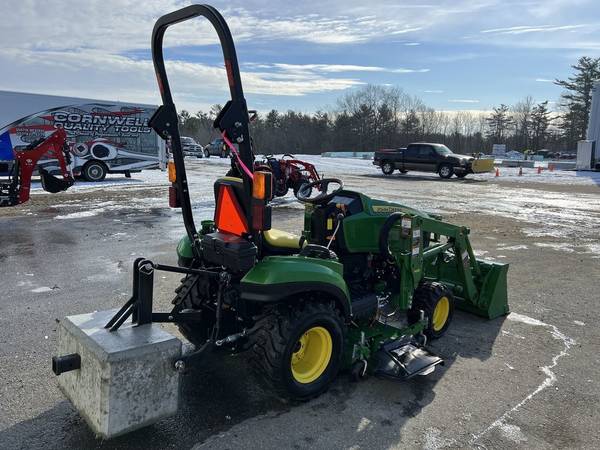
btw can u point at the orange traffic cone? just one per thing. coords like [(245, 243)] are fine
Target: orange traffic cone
[(539, 169), (497, 172), (520, 171)]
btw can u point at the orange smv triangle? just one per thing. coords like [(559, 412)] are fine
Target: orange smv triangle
[(229, 216)]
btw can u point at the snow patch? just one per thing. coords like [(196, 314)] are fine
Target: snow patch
[(550, 379), (513, 247), (435, 441), (42, 289), (558, 246), (81, 214), (513, 433)]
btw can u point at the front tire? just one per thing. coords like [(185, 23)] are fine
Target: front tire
[(445, 171), (298, 351), (206, 154), (437, 302), (387, 168), (94, 171)]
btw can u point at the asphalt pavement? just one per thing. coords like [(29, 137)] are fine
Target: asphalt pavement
[(528, 380)]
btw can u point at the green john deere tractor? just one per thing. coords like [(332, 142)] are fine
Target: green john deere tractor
[(364, 286)]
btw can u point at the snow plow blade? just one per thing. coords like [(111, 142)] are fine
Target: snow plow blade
[(482, 165)]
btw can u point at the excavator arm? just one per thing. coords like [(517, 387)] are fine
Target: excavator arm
[(17, 189)]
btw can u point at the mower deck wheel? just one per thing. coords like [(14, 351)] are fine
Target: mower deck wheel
[(437, 302), (298, 350)]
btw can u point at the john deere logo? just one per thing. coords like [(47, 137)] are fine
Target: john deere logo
[(386, 209)]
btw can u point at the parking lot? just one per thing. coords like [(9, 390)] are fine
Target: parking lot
[(527, 380)]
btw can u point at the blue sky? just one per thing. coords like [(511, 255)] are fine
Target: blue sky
[(303, 55)]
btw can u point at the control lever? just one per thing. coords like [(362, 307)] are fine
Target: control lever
[(339, 218)]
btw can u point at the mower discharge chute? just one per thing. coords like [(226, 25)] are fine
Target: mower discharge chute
[(364, 286), (16, 190)]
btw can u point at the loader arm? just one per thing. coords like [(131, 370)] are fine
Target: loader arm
[(480, 285)]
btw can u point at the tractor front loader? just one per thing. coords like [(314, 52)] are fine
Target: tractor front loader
[(364, 286)]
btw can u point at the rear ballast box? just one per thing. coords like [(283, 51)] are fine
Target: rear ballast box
[(126, 378)]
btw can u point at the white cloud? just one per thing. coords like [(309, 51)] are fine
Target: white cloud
[(544, 80), (463, 100), (412, 44), (117, 77), (331, 68), (533, 29), (433, 91)]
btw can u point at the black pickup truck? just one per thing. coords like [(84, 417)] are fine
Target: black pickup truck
[(428, 157)]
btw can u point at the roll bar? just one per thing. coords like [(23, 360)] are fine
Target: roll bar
[(232, 121)]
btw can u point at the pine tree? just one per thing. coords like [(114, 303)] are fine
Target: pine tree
[(577, 99), (539, 123), (499, 122)]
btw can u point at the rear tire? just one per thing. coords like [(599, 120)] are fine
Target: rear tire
[(94, 171), (298, 350), (437, 302), (387, 168), (445, 171)]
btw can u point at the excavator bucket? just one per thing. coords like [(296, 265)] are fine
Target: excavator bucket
[(52, 184)]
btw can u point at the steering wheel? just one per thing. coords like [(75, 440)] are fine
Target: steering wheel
[(305, 191)]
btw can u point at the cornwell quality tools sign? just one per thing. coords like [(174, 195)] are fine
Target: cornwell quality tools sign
[(118, 122)]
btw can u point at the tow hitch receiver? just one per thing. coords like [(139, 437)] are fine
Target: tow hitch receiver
[(403, 359)]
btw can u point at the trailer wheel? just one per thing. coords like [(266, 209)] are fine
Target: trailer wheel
[(437, 302), (298, 351), (94, 171), (387, 168), (446, 171)]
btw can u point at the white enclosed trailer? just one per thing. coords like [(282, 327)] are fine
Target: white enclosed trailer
[(588, 151), (103, 136)]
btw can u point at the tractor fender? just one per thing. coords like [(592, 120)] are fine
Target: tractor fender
[(277, 278)]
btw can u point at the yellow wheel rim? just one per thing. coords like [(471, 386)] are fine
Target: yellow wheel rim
[(311, 355), (440, 314)]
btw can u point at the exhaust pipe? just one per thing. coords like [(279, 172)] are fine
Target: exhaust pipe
[(62, 364)]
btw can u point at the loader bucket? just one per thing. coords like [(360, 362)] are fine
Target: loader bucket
[(482, 165), (492, 301), (489, 298)]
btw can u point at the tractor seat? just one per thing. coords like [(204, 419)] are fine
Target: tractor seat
[(281, 239), (279, 242)]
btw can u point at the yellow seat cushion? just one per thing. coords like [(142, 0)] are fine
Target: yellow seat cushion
[(281, 239)]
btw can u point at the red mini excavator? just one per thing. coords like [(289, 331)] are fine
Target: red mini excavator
[(16, 190)]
